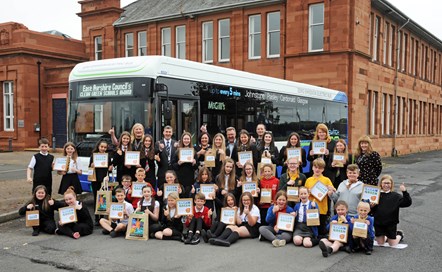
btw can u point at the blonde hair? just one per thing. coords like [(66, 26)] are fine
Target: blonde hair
[(70, 190), (324, 128), (223, 146), (364, 139), (390, 178), (363, 204), (132, 134), (342, 141), (319, 162), (74, 155)]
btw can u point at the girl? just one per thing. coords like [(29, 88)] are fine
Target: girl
[(271, 232), (100, 173), (204, 145), (217, 226), (245, 145), (268, 181), (226, 182), (118, 160), (84, 225), (42, 202), (248, 220), (171, 178), (136, 137), (148, 158), (386, 213), (70, 177), (304, 235), (151, 207), (293, 141), (292, 177), (369, 161), (268, 149), (185, 170), (218, 148), (322, 134), (248, 175), (204, 177), (173, 226), (339, 168), (260, 130)]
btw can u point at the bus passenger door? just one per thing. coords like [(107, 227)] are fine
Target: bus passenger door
[(184, 118)]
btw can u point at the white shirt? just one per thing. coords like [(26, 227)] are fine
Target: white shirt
[(148, 202), (33, 161), (254, 212)]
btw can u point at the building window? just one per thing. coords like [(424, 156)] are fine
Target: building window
[(385, 42), (208, 42), (98, 118), (8, 106), (98, 48), (375, 28), (399, 44), (255, 37), (372, 112), (224, 40), (142, 43), (180, 42), (410, 116), (390, 46), (316, 28), (129, 42), (165, 42), (404, 52), (273, 34)]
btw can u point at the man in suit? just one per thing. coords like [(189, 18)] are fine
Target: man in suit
[(165, 148), (231, 145)]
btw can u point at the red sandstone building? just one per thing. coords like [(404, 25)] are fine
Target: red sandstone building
[(388, 65)]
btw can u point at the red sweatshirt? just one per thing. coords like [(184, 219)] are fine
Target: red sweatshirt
[(271, 183), (204, 215)]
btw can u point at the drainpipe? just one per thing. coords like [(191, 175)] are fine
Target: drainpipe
[(39, 98)]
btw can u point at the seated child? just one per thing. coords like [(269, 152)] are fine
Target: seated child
[(173, 226), (116, 227), (151, 207), (360, 243), (201, 219), (217, 226), (304, 235)]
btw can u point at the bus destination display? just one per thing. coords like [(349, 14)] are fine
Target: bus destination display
[(111, 89)]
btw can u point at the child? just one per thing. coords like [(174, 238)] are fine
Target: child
[(267, 149), (293, 141), (226, 182), (70, 177), (327, 247), (84, 225), (127, 187), (218, 148), (100, 173), (118, 159), (185, 170), (140, 175), (350, 190), (268, 181), (115, 227), (318, 168), (173, 226), (204, 177), (151, 207), (339, 168), (42, 202), (198, 221), (217, 226), (386, 213), (171, 178), (148, 159), (246, 145), (364, 243), (41, 163), (304, 235), (249, 175), (271, 232), (292, 177)]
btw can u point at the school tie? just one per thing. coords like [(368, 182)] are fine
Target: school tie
[(304, 217), (168, 151)]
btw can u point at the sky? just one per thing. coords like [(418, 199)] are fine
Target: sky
[(44, 15)]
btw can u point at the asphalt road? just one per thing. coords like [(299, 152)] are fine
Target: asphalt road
[(421, 173)]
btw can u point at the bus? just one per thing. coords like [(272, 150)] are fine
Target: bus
[(157, 91)]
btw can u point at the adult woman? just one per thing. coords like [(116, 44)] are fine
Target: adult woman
[(293, 141), (368, 160), (322, 134), (136, 136), (202, 148), (267, 149), (338, 165)]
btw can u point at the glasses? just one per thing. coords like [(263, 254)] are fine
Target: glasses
[(293, 163)]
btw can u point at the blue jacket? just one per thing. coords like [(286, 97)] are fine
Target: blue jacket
[(297, 208), (271, 217), (370, 229), (350, 227)]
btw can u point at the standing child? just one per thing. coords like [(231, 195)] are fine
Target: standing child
[(360, 243), (70, 177), (267, 148), (184, 169), (148, 159), (140, 175), (249, 175), (386, 213), (268, 181), (218, 148), (350, 190), (171, 178), (327, 247), (204, 177), (226, 182), (151, 207), (84, 225), (198, 221), (116, 227), (118, 160), (173, 226), (304, 235), (41, 163)]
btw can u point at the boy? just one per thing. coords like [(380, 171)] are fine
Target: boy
[(359, 242), (140, 174), (327, 247), (126, 185), (41, 163), (115, 227), (201, 219), (318, 168)]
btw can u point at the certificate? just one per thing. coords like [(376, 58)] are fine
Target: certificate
[(116, 211), (67, 215), (250, 187), (61, 164), (360, 228), (371, 193), (292, 193), (228, 216), (32, 218), (319, 147), (285, 221), (266, 195), (319, 190), (137, 189), (294, 153), (91, 174), (132, 158), (209, 159), (184, 206), (100, 160), (245, 156), (338, 232), (169, 188), (207, 189), (339, 159), (312, 217), (186, 154)]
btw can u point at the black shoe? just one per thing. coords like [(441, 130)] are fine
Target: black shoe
[(195, 239), (36, 232), (97, 223), (105, 232), (220, 242), (401, 234), (212, 241), (347, 249), (325, 249), (261, 238), (114, 234), (367, 252), (205, 235), (188, 238)]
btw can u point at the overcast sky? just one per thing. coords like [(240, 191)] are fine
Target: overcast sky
[(43, 15)]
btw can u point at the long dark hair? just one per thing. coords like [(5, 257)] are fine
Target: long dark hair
[(241, 206), (151, 150), (97, 145), (45, 201)]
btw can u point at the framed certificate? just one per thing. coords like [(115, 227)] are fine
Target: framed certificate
[(372, 193), (207, 189), (228, 216), (266, 195), (61, 164), (338, 232), (294, 153), (186, 154), (104, 199), (169, 188), (32, 218), (339, 159), (319, 147), (313, 217), (245, 156), (100, 160), (360, 228), (209, 159), (116, 211), (184, 206), (292, 193), (137, 189), (138, 227), (67, 215), (319, 190), (250, 187), (285, 221), (132, 158)]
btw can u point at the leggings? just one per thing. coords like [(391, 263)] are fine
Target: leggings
[(269, 233)]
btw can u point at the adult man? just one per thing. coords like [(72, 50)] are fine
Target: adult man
[(231, 145), (166, 148)]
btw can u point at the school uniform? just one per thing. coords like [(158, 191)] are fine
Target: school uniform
[(273, 184), (42, 165), (175, 224), (149, 167), (151, 206), (283, 158), (70, 179), (327, 170), (268, 232), (253, 230), (47, 222), (301, 228), (350, 193), (255, 156), (200, 220), (209, 203), (100, 174), (274, 153), (322, 205), (118, 162), (367, 242), (340, 173), (84, 224), (350, 227), (185, 172)]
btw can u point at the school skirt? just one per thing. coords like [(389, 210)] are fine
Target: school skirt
[(254, 231), (301, 229), (69, 180)]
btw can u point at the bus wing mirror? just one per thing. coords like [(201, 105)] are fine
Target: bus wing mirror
[(167, 110)]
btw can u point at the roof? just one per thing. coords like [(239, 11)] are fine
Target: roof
[(57, 33), (143, 11)]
